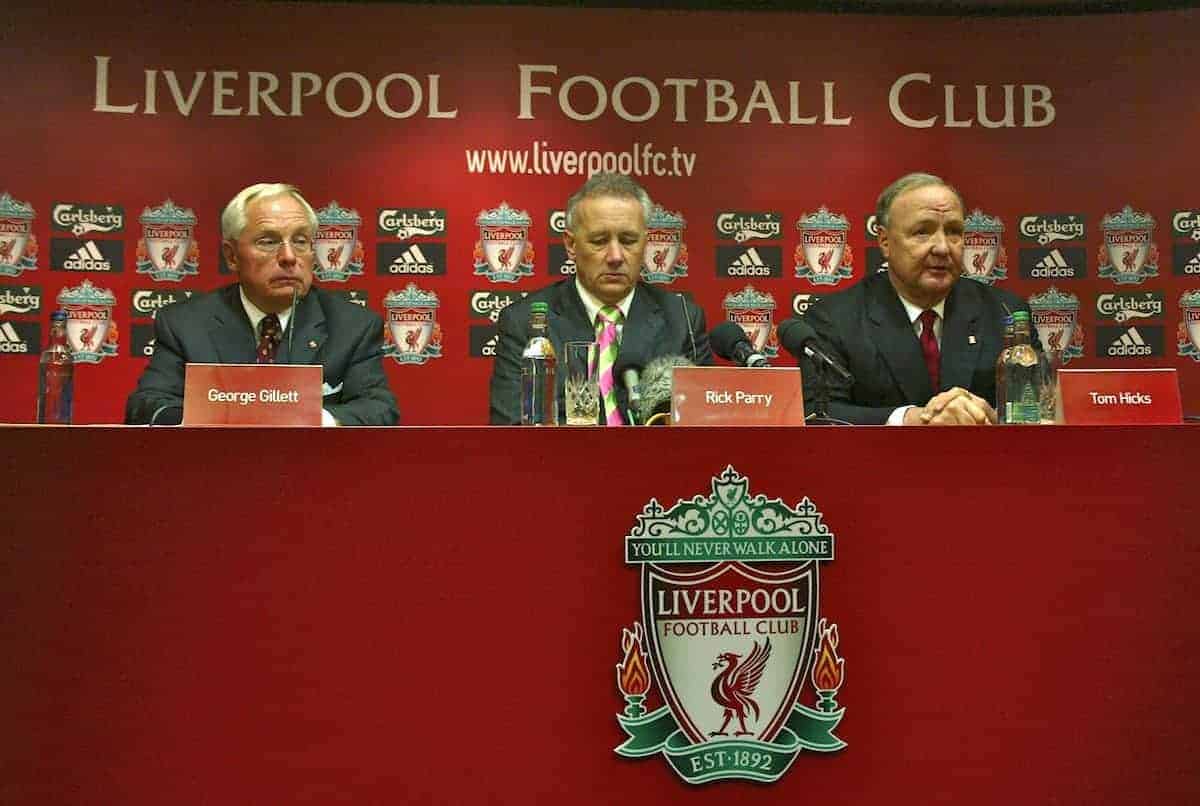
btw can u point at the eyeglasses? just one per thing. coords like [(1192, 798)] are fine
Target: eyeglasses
[(270, 245)]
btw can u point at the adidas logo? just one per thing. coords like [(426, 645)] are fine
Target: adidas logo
[(1129, 343), (10, 341), (749, 264), (1193, 265), (1052, 265), (411, 261), (87, 258)]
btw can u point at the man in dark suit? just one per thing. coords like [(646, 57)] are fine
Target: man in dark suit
[(606, 237), (268, 232), (921, 345)]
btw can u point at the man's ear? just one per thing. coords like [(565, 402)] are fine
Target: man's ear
[(884, 244), (230, 256), (569, 243)]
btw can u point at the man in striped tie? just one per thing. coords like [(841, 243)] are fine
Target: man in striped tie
[(605, 302)]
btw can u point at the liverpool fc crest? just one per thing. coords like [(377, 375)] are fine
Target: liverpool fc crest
[(823, 255), (503, 252), (1128, 254), (168, 248), (731, 635), (412, 334), (753, 310), (18, 245), (984, 258), (1189, 324), (91, 331), (666, 256), (1056, 317), (338, 252)]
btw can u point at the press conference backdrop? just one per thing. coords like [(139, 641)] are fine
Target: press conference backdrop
[(440, 144)]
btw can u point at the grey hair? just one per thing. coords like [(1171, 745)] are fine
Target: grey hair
[(233, 218), (904, 184), (609, 184)]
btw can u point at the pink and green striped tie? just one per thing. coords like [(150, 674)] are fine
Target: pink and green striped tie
[(607, 320)]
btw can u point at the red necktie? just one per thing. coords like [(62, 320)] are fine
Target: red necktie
[(269, 339), (930, 349)]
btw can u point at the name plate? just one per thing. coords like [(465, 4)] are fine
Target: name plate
[(1119, 397), (252, 394), (736, 396)]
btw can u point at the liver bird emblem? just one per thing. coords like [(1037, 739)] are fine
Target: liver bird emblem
[(733, 687), (168, 255)]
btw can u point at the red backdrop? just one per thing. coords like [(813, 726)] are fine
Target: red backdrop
[(1122, 134)]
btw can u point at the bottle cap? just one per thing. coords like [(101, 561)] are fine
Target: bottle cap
[(58, 316), (1020, 316), (539, 307)]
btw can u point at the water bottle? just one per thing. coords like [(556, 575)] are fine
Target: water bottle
[(539, 403), (1001, 380), (1022, 377), (56, 375)]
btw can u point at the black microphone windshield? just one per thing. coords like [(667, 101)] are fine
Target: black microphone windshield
[(725, 338), (794, 334)]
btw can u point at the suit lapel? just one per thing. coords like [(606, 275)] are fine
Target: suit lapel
[(568, 320), (309, 332), (644, 326), (230, 330), (960, 341), (893, 333)]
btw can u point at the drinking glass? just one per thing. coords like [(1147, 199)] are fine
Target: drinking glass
[(581, 388)]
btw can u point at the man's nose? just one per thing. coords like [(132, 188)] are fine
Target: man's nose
[(286, 256), (613, 253), (940, 242)]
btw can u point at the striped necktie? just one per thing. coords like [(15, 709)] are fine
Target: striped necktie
[(606, 348)]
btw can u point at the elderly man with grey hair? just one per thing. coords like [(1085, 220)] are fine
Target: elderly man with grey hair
[(268, 231), (605, 301), (921, 345)]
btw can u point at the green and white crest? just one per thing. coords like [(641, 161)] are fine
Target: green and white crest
[(729, 632), (984, 258)]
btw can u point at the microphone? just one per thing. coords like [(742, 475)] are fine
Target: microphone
[(687, 317), (729, 341), (628, 367), (292, 320), (798, 337), (656, 385)]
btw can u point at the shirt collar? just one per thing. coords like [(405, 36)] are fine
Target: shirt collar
[(256, 316), (593, 305), (914, 311)]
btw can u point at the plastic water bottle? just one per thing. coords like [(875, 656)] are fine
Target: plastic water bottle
[(1023, 377), (56, 375), (1001, 380), (539, 403)]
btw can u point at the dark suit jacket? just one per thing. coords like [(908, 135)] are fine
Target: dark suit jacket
[(659, 323), (213, 328), (868, 330)]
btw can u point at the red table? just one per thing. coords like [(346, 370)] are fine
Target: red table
[(433, 615)]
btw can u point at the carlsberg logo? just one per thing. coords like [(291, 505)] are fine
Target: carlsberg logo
[(1187, 224), (26, 300), (1118, 306), (81, 218), (150, 301), (1044, 229), (490, 303), (409, 221), (741, 226)]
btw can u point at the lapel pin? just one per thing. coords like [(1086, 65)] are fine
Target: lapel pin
[(312, 345), (971, 339)]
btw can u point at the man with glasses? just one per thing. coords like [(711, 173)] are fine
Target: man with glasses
[(268, 232)]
